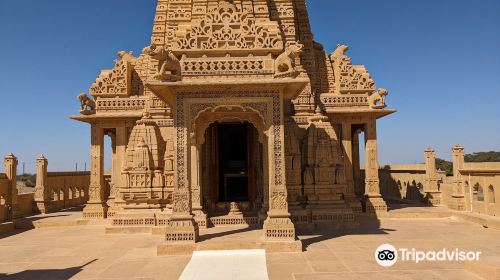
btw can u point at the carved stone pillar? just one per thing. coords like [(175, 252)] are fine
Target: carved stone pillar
[(181, 228), (457, 201), (358, 185), (347, 145), (43, 200), (374, 202), (199, 216), (265, 183), (431, 188), (278, 226), (96, 207), (119, 143), (115, 175), (10, 169)]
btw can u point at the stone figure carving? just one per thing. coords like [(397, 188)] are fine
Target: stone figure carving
[(377, 100), (339, 51), (285, 62), (126, 56), (142, 158), (169, 66), (349, 78), (87, 105)]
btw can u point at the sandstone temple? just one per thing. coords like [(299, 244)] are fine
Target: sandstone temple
[(238, 146), (233, 115)]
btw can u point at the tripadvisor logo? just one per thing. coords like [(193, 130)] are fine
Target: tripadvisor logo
[(387, 255)]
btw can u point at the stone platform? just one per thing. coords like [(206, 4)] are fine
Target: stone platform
[(230, 238), (61, 247)]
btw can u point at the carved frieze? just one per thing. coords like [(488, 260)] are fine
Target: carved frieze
[(227, 27), (117, 81)]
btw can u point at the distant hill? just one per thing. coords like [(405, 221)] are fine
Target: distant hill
[(490, 156)]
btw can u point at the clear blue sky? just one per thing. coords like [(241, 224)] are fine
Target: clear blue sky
[(439, 59)]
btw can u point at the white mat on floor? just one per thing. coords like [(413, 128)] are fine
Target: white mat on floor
[(222, 265)]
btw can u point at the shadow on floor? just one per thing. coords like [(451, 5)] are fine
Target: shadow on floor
[(368, 225), (27, 223), (48, 274), (204, 237)]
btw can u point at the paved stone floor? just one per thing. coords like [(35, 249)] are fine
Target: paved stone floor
[(86, 252)]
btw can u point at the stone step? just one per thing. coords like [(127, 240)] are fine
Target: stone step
[(270, 247), (487, 268), (484, 220), (228, 221), (29, 224), (6, 227), (417, 214)]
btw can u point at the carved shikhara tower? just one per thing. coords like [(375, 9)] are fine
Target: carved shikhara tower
[(233, 115)]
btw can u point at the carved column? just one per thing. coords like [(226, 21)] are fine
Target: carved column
[(457, 201), (96, 207), (347, 145), (115, 175), (43, 200), (358, 185), (278, 226), (181, 227), (265, 182), (199, 216), (431, 188), (119, 143), (10, 169), (374, 202)]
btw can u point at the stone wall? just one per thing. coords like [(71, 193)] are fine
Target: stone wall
[(403, 182), (25, 203), (55, 191), (474, 186), (4, 188), (481, 187)]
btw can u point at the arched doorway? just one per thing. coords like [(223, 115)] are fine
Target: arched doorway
[(232, 167)]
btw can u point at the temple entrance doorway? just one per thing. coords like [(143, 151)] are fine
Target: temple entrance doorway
[(232, 169), (233, 161)]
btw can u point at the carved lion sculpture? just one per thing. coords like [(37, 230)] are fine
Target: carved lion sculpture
[(339, 51), (285, 62), (169, 66), (87, 105), (126, 56), (377, 100)]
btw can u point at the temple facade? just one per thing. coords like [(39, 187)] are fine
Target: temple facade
[(233, 115)]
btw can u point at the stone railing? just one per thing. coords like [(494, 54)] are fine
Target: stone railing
[(59, 190), (227, 66), (335, 100), (403, 182), (474, 186), (9, 208), (413, 183)]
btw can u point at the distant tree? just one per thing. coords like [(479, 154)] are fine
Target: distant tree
[(445, 166), (490, 156), (28, 179)]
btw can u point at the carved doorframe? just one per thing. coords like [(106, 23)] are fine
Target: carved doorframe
[(268, 104)]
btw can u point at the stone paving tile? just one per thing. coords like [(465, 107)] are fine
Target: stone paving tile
[(286, 271), (286, 258), (86, 252)]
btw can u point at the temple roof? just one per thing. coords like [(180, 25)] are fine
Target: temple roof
[(231, 43)]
